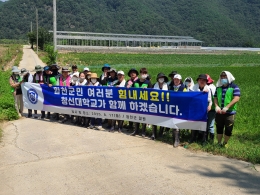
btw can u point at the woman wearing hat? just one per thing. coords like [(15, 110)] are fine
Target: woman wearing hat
[(28, 78), (120, 83), (202, 86), (212, 112), (64, 80), (133, 74), (142, 82), (177, 86), (93, 121), (15, 83), (38, 77), (111, 78), (188, 83), (226, 97), (88, 78), (105, 70), (161, 84)]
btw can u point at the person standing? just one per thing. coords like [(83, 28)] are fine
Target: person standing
[(161, 84), (120, 83), (226, 97), (15, 83), (201, 86), (38, 78), (27, 77), (105, 75), (133, 74), (64, 80), (49, 80), (143, 83), (94, 82), (212, 112)]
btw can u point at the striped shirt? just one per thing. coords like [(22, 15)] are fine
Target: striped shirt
[(236, 92)]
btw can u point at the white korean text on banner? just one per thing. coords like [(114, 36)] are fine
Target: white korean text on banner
[(183, 110)]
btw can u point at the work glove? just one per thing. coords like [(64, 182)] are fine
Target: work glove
[(218, 110), (224, 110)]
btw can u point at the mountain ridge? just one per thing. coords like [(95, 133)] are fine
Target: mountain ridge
[(215, 22)]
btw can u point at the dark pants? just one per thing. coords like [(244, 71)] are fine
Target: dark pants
[(225, 121)]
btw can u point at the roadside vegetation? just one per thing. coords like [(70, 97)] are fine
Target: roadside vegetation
[(10, 55), (245, 142)]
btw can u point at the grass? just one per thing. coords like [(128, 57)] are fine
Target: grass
[(245, 142), (7, 54)]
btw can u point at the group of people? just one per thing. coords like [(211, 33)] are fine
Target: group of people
[(222, 98)]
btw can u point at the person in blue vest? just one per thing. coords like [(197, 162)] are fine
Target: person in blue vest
[(226, 97)]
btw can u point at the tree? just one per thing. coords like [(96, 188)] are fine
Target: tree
[(32, 38)]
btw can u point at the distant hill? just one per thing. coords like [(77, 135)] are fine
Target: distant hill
[(216, 22)]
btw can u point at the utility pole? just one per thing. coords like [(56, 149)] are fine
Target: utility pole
[(37, 30), (54, 26)]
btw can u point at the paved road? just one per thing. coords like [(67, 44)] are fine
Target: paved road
[(46, 157), (30, 59)]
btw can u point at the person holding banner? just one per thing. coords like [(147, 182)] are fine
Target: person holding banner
[(142, 82), (203, 87), (38, 78), (161, 84), (212, 112), (49, 80), (27, 77), (226, 97), (15, 83), (120, 83), (94, 82), (111, 78), (177, 86), (189, 83), (133, 74), (105, 70), (64, 80)]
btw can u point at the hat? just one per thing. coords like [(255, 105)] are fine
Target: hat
[(177, 76), (188, 79), (133, 70), (121, 72), (173, 73), (106, 66), (65, 69), (55, 66), (76, 74), (89, 72), (15, 69), (46, 68), (210, 80), (38, 68), (202, 76), (86, 69), (112, 69), (74, 66), (23, 70), (162, 75), (93, 76)]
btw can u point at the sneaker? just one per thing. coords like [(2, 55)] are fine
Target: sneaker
[(98, 127), (119, 130), (219, 145), (225, 145), (90, 127)]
